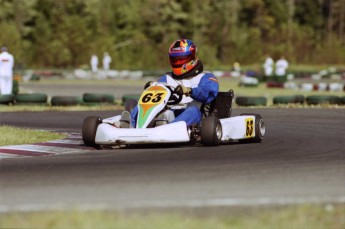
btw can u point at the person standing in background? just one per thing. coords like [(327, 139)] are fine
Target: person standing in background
[(106, 61), (281, 66), (6, 71), (268, 66), (236, 69), (94, 63)]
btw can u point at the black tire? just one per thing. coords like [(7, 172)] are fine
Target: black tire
[(132, 96), (259, 127), (288, 99), (15, 87), (211, 131), (98, 98), (7, 99), (89, 130), (66, 101), (251, 101), (31, 98), (130, 104), (323, 99), (343, 100)]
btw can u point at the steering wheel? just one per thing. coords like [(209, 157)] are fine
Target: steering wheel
[(174, 97)]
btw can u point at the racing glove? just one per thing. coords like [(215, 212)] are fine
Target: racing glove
[(182, 90), (148, 84)]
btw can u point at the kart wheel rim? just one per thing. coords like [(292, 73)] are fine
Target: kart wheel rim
[(262, 128), (219, 131)]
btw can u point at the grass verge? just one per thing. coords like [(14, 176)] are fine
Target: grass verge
[(297, 216), (17, 136)]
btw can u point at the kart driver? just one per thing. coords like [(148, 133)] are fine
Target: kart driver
[(187, 76)]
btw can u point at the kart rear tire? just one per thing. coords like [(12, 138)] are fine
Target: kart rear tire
[(260, 129), (211, 131), (89, 130)]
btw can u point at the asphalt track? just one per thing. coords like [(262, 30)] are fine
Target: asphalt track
[(301, 160)]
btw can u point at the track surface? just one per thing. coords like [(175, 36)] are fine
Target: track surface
[(302, 159)]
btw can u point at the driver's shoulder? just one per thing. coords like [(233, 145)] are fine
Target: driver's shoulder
[(208, 74)]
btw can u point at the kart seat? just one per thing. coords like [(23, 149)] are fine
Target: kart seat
[(221, 107)]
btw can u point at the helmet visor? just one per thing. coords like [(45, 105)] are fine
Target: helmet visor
[(178, 61)]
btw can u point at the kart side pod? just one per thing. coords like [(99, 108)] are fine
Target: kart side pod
[(245, 128)]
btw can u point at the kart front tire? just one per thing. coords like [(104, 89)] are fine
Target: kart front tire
[(211, 131), (89, 130)]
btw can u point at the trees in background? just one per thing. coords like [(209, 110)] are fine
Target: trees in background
[(137, 33)]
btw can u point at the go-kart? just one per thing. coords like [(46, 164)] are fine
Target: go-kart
[(216, 127)]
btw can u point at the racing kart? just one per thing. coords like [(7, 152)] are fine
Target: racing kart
[(216, 127)]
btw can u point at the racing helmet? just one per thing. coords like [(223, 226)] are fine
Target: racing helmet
[(182, 56)]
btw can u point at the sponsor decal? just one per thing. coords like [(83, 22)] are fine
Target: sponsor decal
[(249, 127), (184, 68), (213, 79), (184, 45)]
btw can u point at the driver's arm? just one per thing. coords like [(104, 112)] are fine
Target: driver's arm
[(207, 89)]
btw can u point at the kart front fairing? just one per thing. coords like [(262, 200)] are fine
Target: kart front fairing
[(152, 102), (174, 132)]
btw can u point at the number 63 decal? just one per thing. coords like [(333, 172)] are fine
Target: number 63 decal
[(153, 97), (249, 127)]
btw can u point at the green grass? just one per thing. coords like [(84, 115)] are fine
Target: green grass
[(288, 217), (17, 136)]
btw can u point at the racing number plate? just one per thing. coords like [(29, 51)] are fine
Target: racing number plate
[(249, 127), (153, 96)]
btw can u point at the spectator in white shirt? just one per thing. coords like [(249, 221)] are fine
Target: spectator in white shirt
[(281, 66), (106, 61), (6, 71), (268, 66), (94, 63)]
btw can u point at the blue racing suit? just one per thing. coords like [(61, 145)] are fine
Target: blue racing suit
[(204, 90)]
